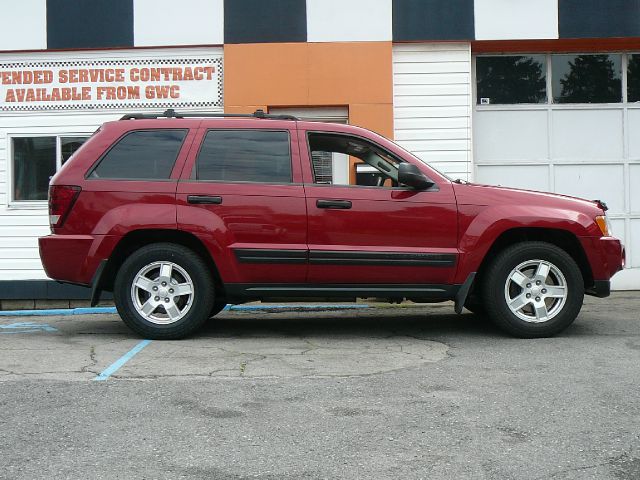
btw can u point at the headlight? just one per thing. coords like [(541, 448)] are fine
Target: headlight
[(604, 224)]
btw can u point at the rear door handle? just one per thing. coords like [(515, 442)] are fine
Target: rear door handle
[(337, 204), (204, 199)]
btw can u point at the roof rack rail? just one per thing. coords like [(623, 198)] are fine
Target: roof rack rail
[(171, 113)]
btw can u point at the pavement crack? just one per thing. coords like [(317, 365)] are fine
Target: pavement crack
[(93, 360), (574, 469), (312, 346)]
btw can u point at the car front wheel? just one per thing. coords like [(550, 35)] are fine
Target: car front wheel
[(533, 289), (164, 291)]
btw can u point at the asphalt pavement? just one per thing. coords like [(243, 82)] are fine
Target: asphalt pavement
[(401, 392)]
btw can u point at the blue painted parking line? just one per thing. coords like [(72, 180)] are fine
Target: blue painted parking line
[(115, 366), (56, 311), (26, 327)]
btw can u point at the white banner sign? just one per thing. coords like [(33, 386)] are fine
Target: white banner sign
[(89, 84)]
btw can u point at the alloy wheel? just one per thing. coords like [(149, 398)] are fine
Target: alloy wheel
[(162, 292), (536, 291)]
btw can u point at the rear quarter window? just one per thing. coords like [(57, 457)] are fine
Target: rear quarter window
[(141, 155)]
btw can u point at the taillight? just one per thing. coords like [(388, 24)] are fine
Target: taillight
[(61, 199)]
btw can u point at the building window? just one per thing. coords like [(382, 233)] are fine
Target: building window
[(556, 78), (633, 77), (587, 78), (68, 146), (35, 160), (510, 79)]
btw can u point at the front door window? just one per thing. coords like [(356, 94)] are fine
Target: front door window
[(374, 166)]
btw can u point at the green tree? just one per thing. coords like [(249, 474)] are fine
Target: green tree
[(591, 79), (633, 78), (511, 79)]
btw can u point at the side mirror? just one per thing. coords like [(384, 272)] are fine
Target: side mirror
[(410, 175)]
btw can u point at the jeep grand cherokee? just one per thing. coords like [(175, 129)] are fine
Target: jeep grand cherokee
[(179, 215)]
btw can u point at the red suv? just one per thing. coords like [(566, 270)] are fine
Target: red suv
[(179, 215)]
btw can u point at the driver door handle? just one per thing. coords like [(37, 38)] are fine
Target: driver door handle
[(204, 199), (336, 204)]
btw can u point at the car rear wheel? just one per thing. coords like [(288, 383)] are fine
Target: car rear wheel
[(164, 291), (533, 289)]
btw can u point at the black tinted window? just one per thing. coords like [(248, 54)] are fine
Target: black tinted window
[(587, 78), (34, 162), (148, 154), (511, 79), (633, 77), (245, 156)]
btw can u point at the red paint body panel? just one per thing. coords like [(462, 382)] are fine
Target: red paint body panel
[(461, 221), (486, 212), (65, 255), (606, 256), (380, 220), (260, 220), (75, 258)]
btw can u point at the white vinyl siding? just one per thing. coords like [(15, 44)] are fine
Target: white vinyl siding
[(432, 104)]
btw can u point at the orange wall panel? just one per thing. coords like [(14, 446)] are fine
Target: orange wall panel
[(345, 73), (376, 117), (356, 74), (261, 74)]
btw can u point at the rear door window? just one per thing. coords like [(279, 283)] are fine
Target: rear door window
[(142, 155), (244, 156)]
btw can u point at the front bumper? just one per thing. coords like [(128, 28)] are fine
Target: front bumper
[(601, 288), (606, 257), (613, 256)]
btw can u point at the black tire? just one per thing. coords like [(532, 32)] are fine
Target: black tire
[(495, 291), (202, 298)]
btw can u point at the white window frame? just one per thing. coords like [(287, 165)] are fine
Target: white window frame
[(58, 134)]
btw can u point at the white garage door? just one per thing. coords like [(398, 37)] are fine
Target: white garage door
[(568, 124)]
